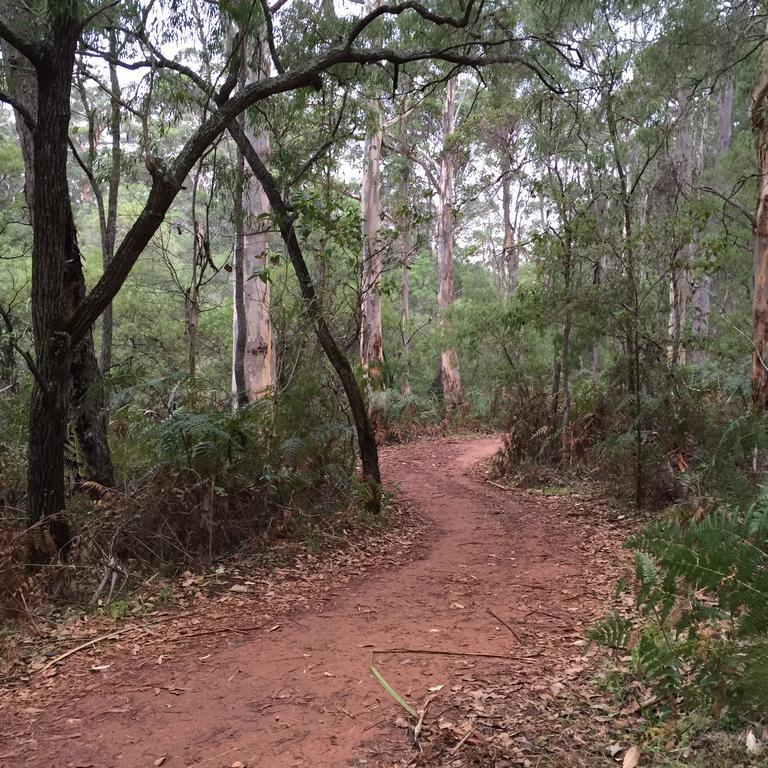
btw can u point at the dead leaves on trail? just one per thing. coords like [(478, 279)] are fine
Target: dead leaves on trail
[(546, 708)]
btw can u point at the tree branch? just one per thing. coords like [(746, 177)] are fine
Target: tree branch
[(20, 108), (28, 359), (32, 50), (738, 206), (271, 37)]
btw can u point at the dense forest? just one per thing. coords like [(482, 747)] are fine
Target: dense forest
[(245, 245)]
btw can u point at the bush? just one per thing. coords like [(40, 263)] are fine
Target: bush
[(702, 594)]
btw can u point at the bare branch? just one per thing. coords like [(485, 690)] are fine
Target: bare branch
[(28, 359)]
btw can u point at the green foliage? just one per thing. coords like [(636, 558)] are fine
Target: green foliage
[(702, 592)]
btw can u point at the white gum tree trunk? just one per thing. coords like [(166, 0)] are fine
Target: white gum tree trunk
[(258, 357), (371, 352), (702, 287), (449, 363)]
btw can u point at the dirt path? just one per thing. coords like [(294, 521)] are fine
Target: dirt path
[(303, 695)]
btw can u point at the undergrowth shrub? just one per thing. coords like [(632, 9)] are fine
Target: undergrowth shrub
[(221, 480), (701, 639), (700, 443), (401, 416)]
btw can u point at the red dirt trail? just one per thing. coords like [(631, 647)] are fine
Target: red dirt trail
[(303, 695)]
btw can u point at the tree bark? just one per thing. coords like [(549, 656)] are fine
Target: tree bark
[(255, 352), (680, 282), (200, 259), (52, 248), (702, 287), (109, 225), (759, 119), (85, 391), (565, 364), (510, 258), (449, 365), (371, 349), (406, 248)]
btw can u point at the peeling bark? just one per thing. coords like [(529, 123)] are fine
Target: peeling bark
[(371, 348), (450, 378), (759, 119), (255, 352), (371, 351), (284, 218), (510, 256)]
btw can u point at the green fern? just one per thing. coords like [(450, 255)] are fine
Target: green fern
[(612, 632), (291, 449), (702, 589)]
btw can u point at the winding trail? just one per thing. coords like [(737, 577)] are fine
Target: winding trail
[(304, 696)]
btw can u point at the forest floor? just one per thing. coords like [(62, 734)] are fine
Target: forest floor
[(475, 612)]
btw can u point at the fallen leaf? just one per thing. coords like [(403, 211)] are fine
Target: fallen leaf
[(615, 749), (239, 588), (753, 745), (160, 760), (436, 688), (632, 758)]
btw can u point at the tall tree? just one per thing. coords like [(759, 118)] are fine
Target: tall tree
[(449, 363), (83, 401), (253, 347), (371, 349), (702, 285), (759, 119)]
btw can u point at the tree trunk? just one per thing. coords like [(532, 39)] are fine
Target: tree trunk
[(449, 364), (239, 330), (702, 287), (510, 256), (284, 218), (109, 228), (759, 118), (406, 248), (632, 326), (566, 350), (258, 359), (680, 283), (87, 398), (192, 294), (371, 350), (52, 247)]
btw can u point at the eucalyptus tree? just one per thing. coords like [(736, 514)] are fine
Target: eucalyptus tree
[(371, 343), (253, 358)]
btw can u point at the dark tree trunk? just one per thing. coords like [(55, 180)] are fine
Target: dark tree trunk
[(88, 415), (87, 399), (53, 247)]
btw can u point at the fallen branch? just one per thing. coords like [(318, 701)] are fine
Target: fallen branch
[(420, 724), (455, 653), (220, 630), (499, 485), (83, 646), (504, 623), (462, 742)]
